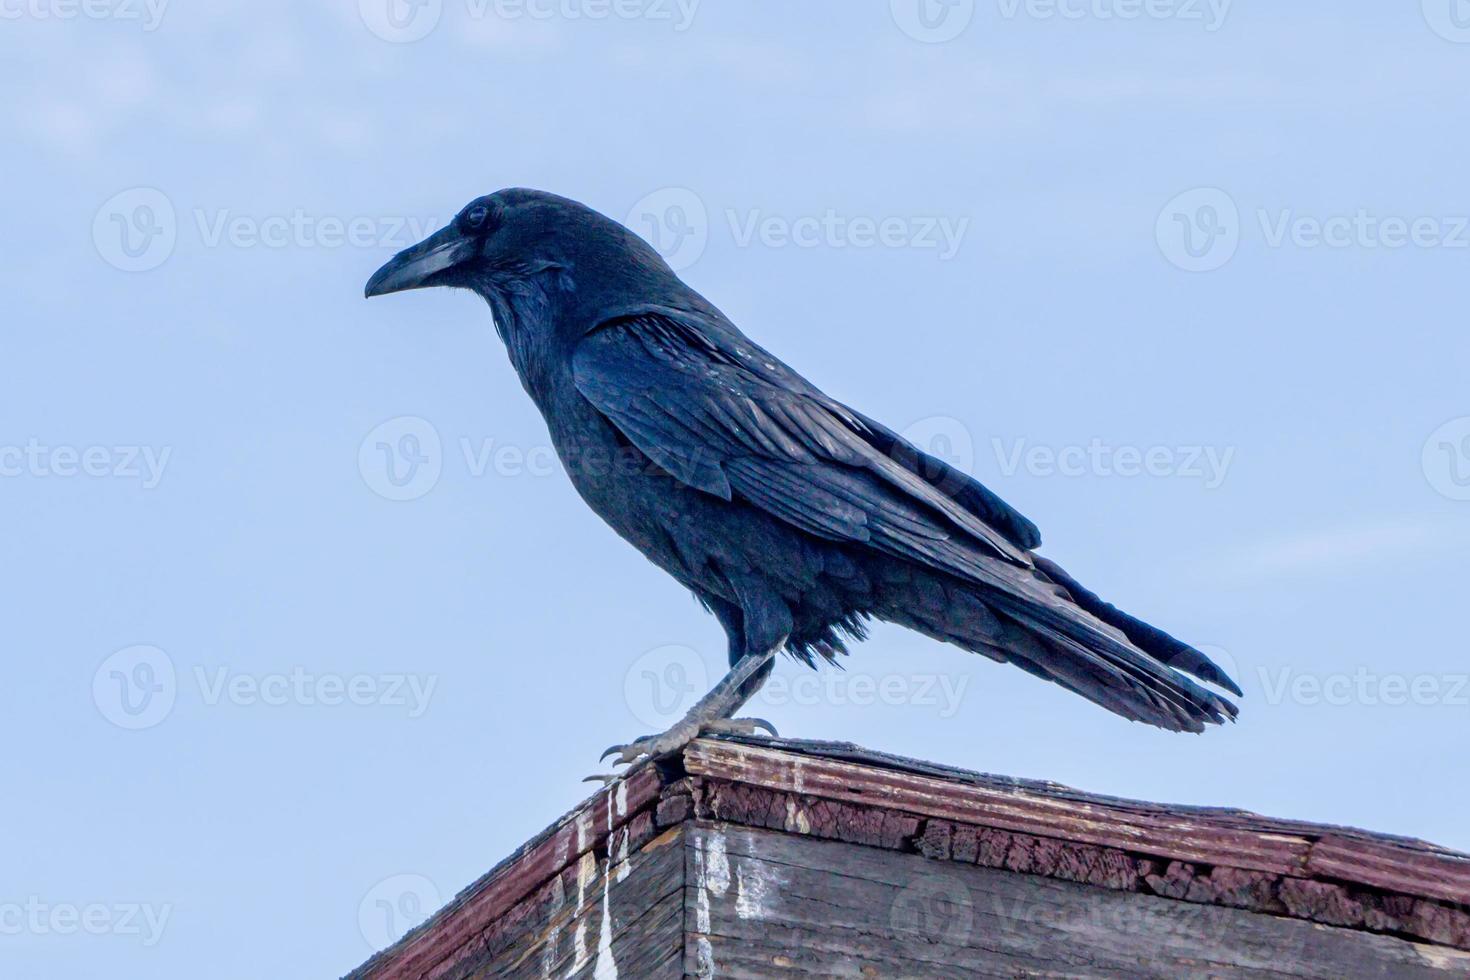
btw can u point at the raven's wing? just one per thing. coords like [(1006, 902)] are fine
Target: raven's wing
[(726, 417)]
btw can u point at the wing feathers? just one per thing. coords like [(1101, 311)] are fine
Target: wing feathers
[(725, 417)]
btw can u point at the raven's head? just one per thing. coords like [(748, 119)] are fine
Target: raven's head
[(539, 260)]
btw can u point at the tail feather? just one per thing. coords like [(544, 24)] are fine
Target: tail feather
[(1153, 692), (1150, 639), (1075, 640)]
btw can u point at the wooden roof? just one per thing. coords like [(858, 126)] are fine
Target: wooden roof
[(1336, 876)]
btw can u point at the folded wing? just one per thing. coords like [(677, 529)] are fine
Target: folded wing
[(726, 417)]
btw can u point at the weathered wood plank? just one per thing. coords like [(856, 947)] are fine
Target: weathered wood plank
[(1187, 836), (765, 904), (1223, 816), (587, 922), (432, 950), (1335, 898), (1392, 867)]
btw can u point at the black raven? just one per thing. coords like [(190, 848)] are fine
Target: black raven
[(792, 518)]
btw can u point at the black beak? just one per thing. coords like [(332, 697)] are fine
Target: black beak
[(420, 265)]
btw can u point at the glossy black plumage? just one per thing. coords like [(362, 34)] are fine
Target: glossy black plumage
[(792, 517)]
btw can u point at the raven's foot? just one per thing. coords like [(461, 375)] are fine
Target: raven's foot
[(686, 731), (740, 726), (710, 713)]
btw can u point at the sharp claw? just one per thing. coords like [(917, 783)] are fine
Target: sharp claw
[(604, 779), (644, 748)]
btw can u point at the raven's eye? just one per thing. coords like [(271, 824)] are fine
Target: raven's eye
[(475, 219)]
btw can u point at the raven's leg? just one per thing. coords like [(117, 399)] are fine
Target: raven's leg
[(732, 618), (710, 713), (757, 627)]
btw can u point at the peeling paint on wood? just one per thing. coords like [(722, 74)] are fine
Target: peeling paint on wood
[(756, 888)]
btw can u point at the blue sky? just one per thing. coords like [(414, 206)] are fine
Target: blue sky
[(304, 624)]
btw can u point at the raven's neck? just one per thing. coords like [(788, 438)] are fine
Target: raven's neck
[(525, 320)]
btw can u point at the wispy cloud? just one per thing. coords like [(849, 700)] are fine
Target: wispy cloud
[(1342, 548)]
